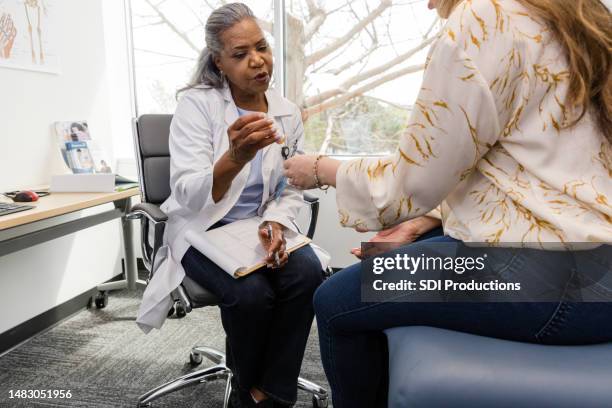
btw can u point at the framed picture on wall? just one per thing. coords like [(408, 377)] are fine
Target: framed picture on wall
[(28, 35)]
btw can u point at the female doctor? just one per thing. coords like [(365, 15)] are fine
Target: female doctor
[(226, 146)]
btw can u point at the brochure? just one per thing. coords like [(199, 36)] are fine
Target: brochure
[(83, 155), (80, 152), (79, 157)]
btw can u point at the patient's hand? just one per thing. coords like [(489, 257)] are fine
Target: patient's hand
[(402, 234)]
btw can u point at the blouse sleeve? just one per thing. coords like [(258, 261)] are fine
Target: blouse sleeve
[(453, 124)]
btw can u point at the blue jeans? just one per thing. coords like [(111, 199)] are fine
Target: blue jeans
[(354, 348), (267, 316)]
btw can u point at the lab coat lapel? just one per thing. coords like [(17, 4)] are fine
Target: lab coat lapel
[(277, 110), (230, 116), (231, 111)]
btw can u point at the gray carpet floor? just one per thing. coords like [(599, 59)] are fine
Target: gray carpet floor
[(104, 359)]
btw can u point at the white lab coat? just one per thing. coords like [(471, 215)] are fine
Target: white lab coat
[(198, 138)]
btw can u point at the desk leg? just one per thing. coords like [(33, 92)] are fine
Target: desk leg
[(131, 271), (131, 280)]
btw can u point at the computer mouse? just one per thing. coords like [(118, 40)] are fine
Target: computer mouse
[(25, 196)]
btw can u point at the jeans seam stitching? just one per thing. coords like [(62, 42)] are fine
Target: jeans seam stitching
[(360, 309), (558, 316), (332, 361)]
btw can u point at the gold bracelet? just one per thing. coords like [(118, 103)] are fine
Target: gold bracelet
[(316, 176)]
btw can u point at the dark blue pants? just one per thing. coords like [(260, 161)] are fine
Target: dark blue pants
[(353, 346), (267, 317)]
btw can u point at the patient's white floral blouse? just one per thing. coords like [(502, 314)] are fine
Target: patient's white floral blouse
[(487, 140)]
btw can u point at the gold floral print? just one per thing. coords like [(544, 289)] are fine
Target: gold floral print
[(604, 157), (518, 187)]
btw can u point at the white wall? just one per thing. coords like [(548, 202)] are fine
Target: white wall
[(29, 155), (91, 86), (36, 279)]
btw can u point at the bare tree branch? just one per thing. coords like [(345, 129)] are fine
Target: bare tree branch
[(349, 64), (431, 28), (384, 67), (328, 134), (332, 58), (210, 6), (372, 34), (361, 90), (312, 7), (164, 54), (355, 80), (196, 15), (173, 27), (316, 21), (319, 55), (148, 25), (265, 25), (394, 104)]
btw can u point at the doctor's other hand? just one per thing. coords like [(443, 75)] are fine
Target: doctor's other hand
[(277, 244), (248, 134), (399, 235), (300, 171)]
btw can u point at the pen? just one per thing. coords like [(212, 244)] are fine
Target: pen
[(276, 258)]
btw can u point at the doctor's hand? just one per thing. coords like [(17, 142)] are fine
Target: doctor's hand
[(248, 134), (274, 245), (399, 235)]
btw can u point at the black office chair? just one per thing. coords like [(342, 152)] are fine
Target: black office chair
[(151, 134)]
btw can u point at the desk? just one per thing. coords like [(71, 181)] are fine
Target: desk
[(58, 204)]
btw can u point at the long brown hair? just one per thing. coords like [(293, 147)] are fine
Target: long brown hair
[(584, 29)]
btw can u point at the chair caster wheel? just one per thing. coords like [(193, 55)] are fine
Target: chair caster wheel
[(101, 300), (195, 359), (180, 311), (319, 402), (170, 312)]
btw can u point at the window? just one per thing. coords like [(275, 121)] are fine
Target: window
[(354, 67)]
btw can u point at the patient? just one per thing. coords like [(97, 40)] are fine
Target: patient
[(226, 144), (511, 137)]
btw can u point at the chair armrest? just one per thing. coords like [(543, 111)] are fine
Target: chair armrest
[(150, 211), (309, 198), (150, 216), (313, 202)]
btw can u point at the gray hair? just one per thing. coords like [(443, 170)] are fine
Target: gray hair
[(219, 21)]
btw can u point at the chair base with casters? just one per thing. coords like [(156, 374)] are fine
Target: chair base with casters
[(188, 296), (441, 368), (219, 371)]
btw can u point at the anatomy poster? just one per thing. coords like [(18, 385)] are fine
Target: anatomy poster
[(28, 35)]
